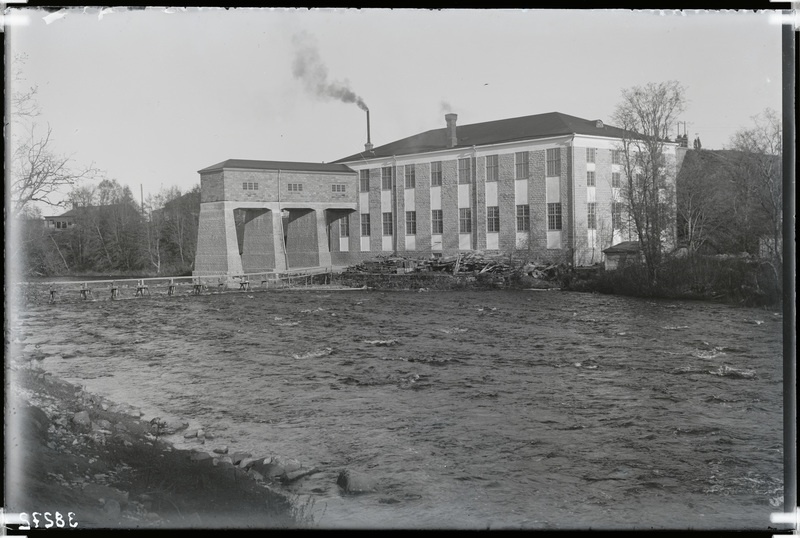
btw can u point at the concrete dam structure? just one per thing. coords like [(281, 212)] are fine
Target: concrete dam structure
[(263, 216)]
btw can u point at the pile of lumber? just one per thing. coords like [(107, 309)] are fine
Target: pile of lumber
[(471, 262), (384, 265), (475, 262)]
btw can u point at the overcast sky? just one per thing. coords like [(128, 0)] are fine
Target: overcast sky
[(151, 97)]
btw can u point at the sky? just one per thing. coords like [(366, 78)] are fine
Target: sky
[(152, 96)]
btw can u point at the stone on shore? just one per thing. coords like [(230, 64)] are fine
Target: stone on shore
[(353, 482), (101, 425), (34, 421), (293, 476), (175, 424), (200, 456), (221, 450), (82, 420), (275, 466), (112, 508), (238, 457), (106, 493)]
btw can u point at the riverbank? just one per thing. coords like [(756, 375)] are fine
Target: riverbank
[(70, 452)]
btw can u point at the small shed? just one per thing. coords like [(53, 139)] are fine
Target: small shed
[(617, 255)]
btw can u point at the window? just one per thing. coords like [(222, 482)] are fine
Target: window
[(615, 179), (344, 226), (590, 155), (554, 216), (465, 170), (616, 215), (523, 218), (363, 177), (411, 222), (364, 224), (411, 176), (250, 186), (437, 225), (521, 161), (590, 179), (386, 178), (387, 224), (294, 187), (436, 173), (616, 156), (591, 216), (338, 188), (493, 219), (465, 220), (554, 162), (491, 168)]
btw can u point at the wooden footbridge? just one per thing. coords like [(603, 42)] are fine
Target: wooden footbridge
[(129, 288)]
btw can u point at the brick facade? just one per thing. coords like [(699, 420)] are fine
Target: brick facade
[(317, 209)]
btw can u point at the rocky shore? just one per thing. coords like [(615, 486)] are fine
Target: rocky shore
[(68, 451)]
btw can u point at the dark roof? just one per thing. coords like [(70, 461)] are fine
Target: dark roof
[(71, 213), (626, 247), (76, 211), (279, 165), (491, 132)]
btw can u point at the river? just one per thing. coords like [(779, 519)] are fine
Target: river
[(473, 409)]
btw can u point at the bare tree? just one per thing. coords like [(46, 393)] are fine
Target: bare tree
[(37, 172), (647, 115), (757, 161), (155, 229), (706, 205)]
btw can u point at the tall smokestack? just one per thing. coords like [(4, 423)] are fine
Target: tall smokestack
[(368, 145), (452, 139)]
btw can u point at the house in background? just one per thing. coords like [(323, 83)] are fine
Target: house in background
[(63, 221), (618, 255), (548, 184)]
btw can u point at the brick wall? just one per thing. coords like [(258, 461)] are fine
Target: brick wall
[(507, 202), (259, 248), (375, 213), (579, 224), (211, 187), (537, 200), (479, 202), (566, 192), (301, 241), (229, 185), (450, 207), (422, 202), (603, 199), (398, 209)]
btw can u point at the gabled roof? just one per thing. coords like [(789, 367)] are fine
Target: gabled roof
[(491, 132), (279, 165), (71, 213), (625, 247), (77, 211)]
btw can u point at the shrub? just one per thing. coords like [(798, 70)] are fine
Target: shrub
[(732, 280)]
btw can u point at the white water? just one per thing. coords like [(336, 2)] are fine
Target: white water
[(493, 409)]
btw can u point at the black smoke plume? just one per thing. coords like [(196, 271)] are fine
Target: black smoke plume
[(309, 68)]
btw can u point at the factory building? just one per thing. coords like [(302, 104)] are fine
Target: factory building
[(546, 184)]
